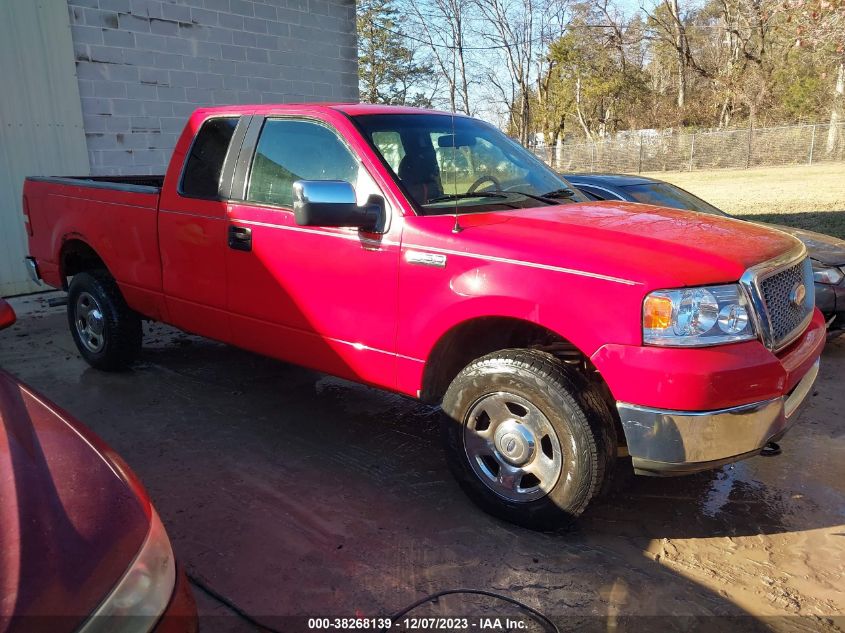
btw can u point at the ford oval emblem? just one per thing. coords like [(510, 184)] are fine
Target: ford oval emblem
[(797, 294)]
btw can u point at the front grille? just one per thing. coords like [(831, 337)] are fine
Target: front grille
[(784, 316)]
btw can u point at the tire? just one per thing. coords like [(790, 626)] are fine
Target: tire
[(544, 400), (106, 331)]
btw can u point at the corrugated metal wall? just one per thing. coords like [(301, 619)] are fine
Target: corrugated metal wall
[(41, 129)]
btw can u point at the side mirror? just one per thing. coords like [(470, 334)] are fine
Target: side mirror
[(333, 203), (7, 315)]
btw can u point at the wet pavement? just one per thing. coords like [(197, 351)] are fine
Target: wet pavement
[(292, 493)]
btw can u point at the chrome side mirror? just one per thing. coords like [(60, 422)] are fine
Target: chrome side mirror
[(333, 203)]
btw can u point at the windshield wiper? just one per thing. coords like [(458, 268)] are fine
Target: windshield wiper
[(533, 196), (460, 196), (558, 194)]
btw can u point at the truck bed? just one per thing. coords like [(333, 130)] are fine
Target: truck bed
[(115, 216)]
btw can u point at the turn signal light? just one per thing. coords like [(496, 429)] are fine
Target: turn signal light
[(657, 312)]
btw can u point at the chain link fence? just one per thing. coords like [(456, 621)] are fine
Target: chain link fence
[(723, 149)]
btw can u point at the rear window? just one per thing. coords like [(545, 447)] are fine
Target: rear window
[(205, 162)]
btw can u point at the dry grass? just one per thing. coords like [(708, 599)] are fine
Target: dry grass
[(806, 197)]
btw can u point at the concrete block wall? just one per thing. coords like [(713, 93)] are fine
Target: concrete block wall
[(144, 65)]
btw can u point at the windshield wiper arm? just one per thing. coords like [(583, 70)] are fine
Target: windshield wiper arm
[(460, 196)]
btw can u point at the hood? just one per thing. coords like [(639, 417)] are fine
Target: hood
[(654, 246), (72, 515), (823, 248)]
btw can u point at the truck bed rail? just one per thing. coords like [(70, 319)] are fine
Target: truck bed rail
[(135, 184)]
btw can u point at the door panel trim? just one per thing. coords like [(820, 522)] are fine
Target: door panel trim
[(192, 215), (357, 237)]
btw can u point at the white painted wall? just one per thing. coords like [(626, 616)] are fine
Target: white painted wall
[(145, 65)]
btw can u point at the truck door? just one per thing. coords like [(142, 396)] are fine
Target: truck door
[(192, 225), (322, 297)]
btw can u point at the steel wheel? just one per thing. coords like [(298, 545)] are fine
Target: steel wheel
[(89, 321), (512, 447)]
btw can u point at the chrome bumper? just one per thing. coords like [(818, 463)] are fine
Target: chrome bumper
[(663, 442), (32, 269)]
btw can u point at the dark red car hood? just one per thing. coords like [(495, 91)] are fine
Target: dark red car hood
[(826, 249), (72, 515)]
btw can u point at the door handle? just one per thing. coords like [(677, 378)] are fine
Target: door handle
[(240, 238)]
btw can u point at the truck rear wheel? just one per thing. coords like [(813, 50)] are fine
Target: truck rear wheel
[(106, 331), (528, 439)]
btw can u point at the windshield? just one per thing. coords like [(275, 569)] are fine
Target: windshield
[(456, 164), (665, 195)]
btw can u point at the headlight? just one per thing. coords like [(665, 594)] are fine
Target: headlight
[(829, 275), (142, 594), (694, 317)]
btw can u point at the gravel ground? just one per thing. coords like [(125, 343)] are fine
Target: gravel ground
[(293, 493)]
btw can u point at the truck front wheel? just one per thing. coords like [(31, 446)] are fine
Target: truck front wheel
[(528, 439), (106, 331)]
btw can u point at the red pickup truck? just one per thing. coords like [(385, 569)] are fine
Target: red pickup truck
[(429, 254)]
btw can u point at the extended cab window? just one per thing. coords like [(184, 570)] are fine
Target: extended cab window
[(205, 162), (290, 150)]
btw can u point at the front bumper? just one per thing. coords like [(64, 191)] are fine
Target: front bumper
[(667, 442)]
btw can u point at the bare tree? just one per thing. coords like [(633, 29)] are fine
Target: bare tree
[(550, 120), (671, 29), (535, 66), (512, 33), (442, 26), (837, 108)]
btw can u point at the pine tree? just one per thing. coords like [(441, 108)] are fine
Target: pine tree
[(388, 70)]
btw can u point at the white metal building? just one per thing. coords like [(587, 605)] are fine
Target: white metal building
[(104, 86)]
